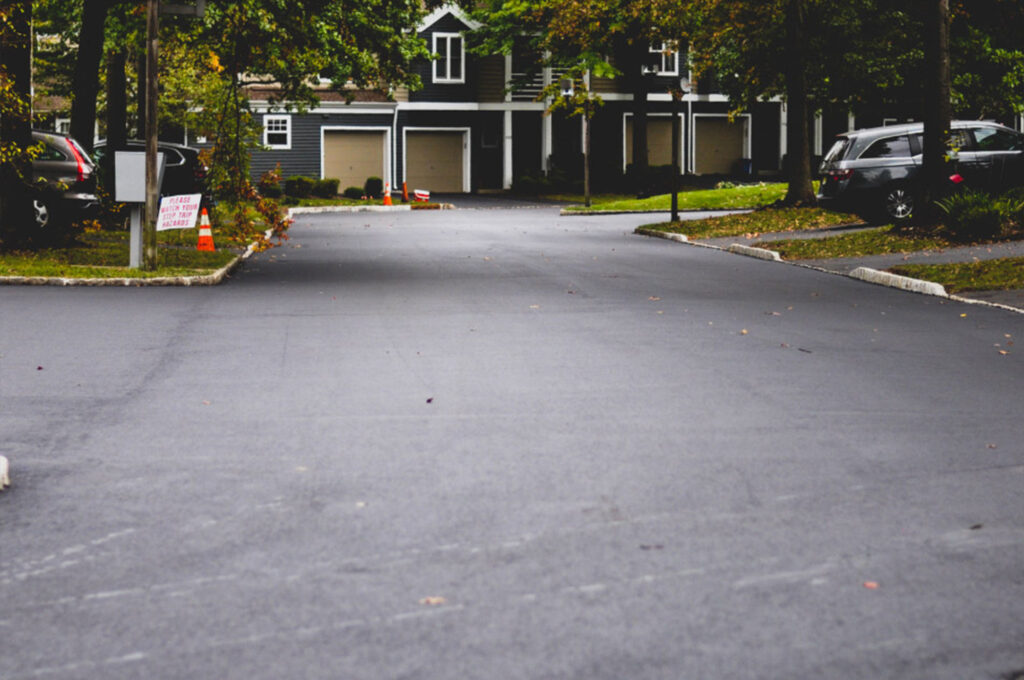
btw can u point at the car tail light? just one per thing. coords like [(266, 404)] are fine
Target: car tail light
[(82, 170), (839, 175)]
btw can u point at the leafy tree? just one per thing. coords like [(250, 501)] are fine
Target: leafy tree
[(15, 125)]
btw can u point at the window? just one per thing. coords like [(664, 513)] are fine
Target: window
[(277, 132), (991, 139), (450, 65), (893, 147), (666, 61), (62, 125)]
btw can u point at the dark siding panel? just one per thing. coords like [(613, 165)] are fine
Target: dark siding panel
[(485, 163), (764, 144), (440, 92), (304, 156), (526, 128)]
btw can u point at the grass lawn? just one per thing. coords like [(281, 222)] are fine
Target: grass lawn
[(758, 222), (104, 254), (1003, 274), (739, 197), (878, 241)]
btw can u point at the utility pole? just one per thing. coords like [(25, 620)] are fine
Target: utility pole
[(152, 179)]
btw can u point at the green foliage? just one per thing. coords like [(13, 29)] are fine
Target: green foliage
[(768, 220), (975, 215), (878, 241), (354, 193), (374, 187), (326, 188), (299, 186), (999, 274)]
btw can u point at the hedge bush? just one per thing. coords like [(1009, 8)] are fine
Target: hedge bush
[(374, 187), (353, 192), (299, 186), (326, 188)]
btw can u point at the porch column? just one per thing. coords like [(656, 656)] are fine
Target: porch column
[(506, 156)]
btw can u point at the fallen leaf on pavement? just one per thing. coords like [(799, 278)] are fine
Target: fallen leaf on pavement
[(871, 585), (743, 332), (1003, 352), (654, 298), (433, 601), (430, 400), (976, 527)]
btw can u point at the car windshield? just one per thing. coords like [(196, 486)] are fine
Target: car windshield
[(838, 150)]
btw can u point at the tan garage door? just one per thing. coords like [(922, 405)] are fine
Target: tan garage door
[(718, 144), (434, 161), (352, 156), (659, 140)]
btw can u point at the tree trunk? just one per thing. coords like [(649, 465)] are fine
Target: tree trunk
[(16, 125), (117, 106), (86, 81), (938, 107), (801, 190)]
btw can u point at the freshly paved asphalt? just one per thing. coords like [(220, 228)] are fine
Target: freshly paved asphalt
[(504, 444)]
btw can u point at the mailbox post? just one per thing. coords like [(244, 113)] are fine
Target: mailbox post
[(130, 187)]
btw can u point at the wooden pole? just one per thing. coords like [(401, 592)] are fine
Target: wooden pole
[(152, 178)]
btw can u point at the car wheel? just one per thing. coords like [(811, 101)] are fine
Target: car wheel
[(898, 203), (42, 213)]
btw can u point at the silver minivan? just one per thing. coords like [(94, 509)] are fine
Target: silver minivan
[(876, 171)]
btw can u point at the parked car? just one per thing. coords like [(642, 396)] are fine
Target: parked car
[(184, 170), (878, 170), (65, 181)]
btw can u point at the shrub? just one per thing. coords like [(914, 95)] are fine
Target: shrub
[(326, 188), (270, 183), (353, 192), (299, 186), (972, 215), (374, 187)]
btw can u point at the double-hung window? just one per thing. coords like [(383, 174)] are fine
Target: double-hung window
[(450, 65), (277, 132), (666, 63)]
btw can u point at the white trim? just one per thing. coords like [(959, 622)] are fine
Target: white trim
[(269, 118), (467, 166), (783, 136), (439, 13), (747, 126), (506, 174), (508, 77), (447, 78), (851, 122), (684, 135), (62, 125), (818, 134), (359, 128), (666, 97)]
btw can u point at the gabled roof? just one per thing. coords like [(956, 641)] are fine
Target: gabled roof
[(445, 10)]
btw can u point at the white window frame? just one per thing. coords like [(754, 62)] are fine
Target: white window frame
[(446, 78), (669, 55), (274, 119), (62, 126)]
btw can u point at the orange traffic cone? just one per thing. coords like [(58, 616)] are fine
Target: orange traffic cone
[(387, 194), (205, 233)]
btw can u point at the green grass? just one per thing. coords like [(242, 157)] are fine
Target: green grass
[(878, 241), (764, 221), (744, 196), (105, 255), (1002, 274)]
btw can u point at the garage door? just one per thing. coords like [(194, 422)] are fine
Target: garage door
[(659, 140), (352, 156), (718, 145), (434, 161)]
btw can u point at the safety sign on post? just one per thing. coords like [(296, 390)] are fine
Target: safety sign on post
[(178, 212)]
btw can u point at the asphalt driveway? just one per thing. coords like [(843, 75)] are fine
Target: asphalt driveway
[(505, 444)]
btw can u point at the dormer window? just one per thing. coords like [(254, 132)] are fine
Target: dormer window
[(450, 65), (665, 58)]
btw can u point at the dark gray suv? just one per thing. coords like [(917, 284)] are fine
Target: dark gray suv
[(876, 171), (65, 181)]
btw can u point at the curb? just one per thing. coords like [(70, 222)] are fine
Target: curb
[(866, 274), (569, 213), (312, 210), (896, 281)]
